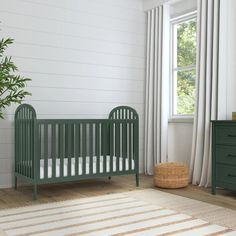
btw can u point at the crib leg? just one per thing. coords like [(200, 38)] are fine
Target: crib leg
[(109, 177), (15, 182), (137, 180), (35, 192)]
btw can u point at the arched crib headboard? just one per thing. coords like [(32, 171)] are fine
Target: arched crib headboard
[(25, 118), (123, 113), (26, 112)]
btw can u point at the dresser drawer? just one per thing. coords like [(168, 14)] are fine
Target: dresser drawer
[(226, 173), (225, 135), (226, 154)]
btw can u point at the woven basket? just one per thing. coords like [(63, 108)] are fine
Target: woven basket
[(171, 175)]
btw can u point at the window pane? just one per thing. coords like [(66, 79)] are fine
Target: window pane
[(186, 43), (184, 92)]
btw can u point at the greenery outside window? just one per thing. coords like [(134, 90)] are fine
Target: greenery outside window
[(183, 66)]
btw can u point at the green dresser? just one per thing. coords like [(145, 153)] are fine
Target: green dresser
[(223, 154)]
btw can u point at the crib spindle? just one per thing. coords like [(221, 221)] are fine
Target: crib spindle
[(117, 145), (91, 148), (124, 145), (30, 146), (22, 145), (24, 142), (72, 148), (77, 147), (84, 147), (97, 147), (69, 151), (53, 149), (27, 157), (130, 145), (61, 149), (45, 150), (135, 148), (104, 147), (111, 146)]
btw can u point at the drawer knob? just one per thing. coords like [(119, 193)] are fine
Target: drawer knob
[(234, 176), (232, 135)]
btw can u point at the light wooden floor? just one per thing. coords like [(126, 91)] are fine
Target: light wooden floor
[(58, 192)]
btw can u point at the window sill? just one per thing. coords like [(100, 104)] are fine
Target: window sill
[(181, 120)]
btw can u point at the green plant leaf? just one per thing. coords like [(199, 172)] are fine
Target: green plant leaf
[(12, 86)]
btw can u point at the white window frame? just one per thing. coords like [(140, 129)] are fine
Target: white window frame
[(173, 117)]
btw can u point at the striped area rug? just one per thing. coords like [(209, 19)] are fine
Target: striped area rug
[(114, 214)]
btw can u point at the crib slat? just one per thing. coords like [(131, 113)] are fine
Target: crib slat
[(111, 146), (136, 141), (28, 143), (66, 156), (61, 149), (72, 140), (72, 147), (91, 148), (40, 141), (124, 145), (21, 142), (46, 151), (53, 145), (31, 145), (69, 149), (97, 135), (77, 146), (16, 146), (24, 144), (117, 144), (84, 143), (20, 145), (104, 138), (121, 114), (130, 143), (28, 146)]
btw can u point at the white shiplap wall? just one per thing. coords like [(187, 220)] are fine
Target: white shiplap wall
[(84, 57)]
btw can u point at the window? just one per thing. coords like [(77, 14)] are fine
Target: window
[(183, 66)]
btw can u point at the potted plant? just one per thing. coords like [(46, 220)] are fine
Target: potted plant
[(12, 85)]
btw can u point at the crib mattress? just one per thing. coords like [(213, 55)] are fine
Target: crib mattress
[(87, 166)]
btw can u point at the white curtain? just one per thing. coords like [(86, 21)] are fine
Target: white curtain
[(157, 88), (207, 90)]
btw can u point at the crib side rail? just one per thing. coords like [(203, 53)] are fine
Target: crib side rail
[(67, 147), (25, 122), (86, 148)]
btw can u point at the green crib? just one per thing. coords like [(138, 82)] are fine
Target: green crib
[(62, 150)]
